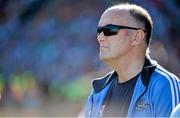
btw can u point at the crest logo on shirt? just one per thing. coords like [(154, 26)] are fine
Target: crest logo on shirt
[(141, 105)]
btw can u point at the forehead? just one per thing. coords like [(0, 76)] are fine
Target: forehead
[(115, 16)]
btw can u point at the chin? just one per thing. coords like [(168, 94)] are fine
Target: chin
[(104, 57)]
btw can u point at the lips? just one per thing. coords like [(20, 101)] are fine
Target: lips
[(103, 47)]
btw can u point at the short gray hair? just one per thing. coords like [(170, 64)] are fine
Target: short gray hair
[(140, 15)]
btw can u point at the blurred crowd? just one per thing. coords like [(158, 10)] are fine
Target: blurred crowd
[(48, 44)]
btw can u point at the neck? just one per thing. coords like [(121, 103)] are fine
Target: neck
[(127, 68)]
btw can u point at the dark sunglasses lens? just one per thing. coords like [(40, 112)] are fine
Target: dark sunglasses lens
[(110, 31), (99, 30)]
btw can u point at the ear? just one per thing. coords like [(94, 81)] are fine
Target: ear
[(138, 37)]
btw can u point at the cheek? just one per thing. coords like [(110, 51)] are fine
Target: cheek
[(120, 46)]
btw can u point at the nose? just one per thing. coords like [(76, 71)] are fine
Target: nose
[(101, 37)]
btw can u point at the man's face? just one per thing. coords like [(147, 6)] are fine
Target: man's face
[(116, 46)]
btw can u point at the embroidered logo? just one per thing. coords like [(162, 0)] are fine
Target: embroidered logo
[(142, 105)]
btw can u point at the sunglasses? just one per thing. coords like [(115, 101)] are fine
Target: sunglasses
[(111, 29)]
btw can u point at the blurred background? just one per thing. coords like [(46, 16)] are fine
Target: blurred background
[(49, 52)]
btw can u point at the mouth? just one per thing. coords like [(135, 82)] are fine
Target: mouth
[(103, 48)]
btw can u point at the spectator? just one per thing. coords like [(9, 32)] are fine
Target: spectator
[(138, 86)]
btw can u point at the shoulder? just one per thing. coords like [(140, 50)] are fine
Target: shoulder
[(162, 75), (165, 85)]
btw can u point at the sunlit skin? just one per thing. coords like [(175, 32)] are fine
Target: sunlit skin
[(124, 52)]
